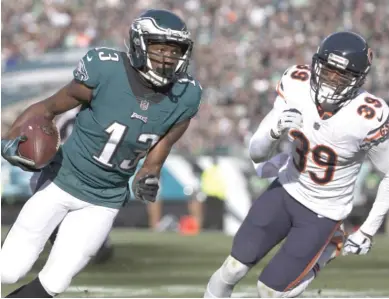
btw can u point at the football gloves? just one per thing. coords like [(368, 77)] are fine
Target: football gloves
[(357, 243), (146, 189), (10, 152), (289, 119)]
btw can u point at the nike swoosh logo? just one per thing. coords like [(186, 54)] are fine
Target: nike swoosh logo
[(380, 118), (89, 58)]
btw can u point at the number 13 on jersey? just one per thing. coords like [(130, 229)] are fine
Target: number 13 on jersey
[(116, 133)]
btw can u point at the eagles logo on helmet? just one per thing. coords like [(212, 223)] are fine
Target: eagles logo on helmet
[(161, 27)]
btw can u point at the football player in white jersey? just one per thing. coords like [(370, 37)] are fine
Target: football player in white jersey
[(333, 125)]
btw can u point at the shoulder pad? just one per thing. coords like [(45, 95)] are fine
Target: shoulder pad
[(188, 79), (371, 109), (374, 113), (95, 64), (188, 92), (107, 54), (377, 135), (190, 89), (292, 80)]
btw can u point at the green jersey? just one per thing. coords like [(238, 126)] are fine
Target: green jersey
[(124, 119)]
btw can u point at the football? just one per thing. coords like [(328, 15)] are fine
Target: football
[(42, 142)]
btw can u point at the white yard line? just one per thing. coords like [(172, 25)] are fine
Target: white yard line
[(199, 273), (185, 289)]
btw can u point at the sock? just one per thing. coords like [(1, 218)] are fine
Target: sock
[(34, 289), (223, 281), (217, 287)]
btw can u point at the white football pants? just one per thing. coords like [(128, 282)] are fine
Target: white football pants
[(83, 230)]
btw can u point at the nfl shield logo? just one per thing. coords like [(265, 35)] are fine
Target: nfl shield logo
[(144, 104)]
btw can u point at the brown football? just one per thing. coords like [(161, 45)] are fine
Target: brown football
[(42, 143)]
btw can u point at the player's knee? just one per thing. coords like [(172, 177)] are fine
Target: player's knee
[(233, 270), (59, 271), (56, 276), (12, 268), (10, 275), (15, 264), (54, 284)]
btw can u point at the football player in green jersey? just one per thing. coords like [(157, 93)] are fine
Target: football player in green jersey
[(134, 104)]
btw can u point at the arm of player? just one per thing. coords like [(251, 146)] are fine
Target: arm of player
[(145, 184), (79, 90), (65, 99), (270, 168), (262, 142), (68, 97), (360, 242), (87, 76), (279, 120), (379, 156)]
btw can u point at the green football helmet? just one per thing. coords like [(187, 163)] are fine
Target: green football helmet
[(159, 26)]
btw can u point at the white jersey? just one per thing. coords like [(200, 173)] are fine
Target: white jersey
[(327, 153)]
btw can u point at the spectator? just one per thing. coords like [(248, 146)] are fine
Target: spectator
[(243, 47)]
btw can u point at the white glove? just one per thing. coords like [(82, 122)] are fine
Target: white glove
[(289, 119), (357, 243)]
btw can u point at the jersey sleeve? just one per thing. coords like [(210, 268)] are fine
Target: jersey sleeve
[(292, 82), (88, 69), (262, 143), (380, 131), (280, 89), (193, 103), (379, 156)]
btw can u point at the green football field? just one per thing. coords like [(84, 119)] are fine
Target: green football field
[(147, 264)]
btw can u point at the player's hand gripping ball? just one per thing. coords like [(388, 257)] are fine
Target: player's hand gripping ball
[(41, 141)]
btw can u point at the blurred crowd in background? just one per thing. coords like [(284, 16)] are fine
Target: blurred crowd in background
[(242, 48)]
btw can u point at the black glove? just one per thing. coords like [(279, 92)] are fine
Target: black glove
[(146, 188)]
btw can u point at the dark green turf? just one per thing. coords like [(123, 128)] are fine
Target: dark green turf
[(149, 264)]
